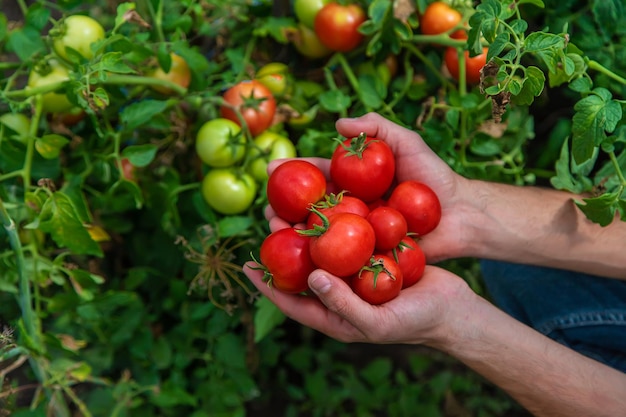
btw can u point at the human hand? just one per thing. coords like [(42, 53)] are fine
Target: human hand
[(421, 314), (414, 161)]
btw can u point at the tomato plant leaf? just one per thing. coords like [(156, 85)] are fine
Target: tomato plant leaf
[(607, 13), (233, 225), (112, 62), (574, 66), (266, 318), (532, 86), (49, 146), (139, 113), (372, 91), (275, 28), (498, 45), (59, 218), (140, 155), (378, 11), (600, 209), (335, 101), (595, 115), (25, 42)]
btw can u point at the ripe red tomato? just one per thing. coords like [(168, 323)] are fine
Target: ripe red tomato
[(473, 65), (419, 205), (179, 73), (293, 187), (337, 26), (411, 259), (337, 203), (344, 244), (378, 282), (439, 18), (287, 261), (389, 225), (364, 167), (254, 101)]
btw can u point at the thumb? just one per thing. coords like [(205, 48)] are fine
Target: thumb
[(339, 298)]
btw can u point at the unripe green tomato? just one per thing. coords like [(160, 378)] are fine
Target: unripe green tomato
[(308, 44), (52, 102), (18, 123), (306, 10), (77, 32), (220, 143), (275, 76), (268, 146), (228, 191)]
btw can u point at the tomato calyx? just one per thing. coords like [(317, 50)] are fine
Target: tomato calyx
[(251, 102), (330, 200), (357, 146), (317, 229), (376, 266), (267, 275)]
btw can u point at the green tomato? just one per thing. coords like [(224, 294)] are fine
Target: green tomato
[(220, 143), (77, 32), (268, 146), (18, 123), (52, 102), (306, 10), (276, 77), (307, 43), (228, 191)]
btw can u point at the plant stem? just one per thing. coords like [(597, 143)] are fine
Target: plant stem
[(596, 66), (618, 169)]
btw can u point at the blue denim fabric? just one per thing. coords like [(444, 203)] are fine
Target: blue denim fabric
[(584, 312)]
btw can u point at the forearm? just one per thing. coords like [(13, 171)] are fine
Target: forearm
[(541, 227), (543, 376)]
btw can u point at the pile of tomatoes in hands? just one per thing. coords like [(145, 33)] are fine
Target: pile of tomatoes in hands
[(359, 226)]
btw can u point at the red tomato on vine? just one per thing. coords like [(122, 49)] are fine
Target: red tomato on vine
[(439, 18), (473, 65), (337, 203), (337, 26), (254, 101)]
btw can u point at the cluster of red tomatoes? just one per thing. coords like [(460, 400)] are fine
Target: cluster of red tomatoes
[(440, 18), (359, 226)]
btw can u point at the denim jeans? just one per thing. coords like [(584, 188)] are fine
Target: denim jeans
[(584, 312)]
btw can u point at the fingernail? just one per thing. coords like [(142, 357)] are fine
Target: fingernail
[(320, 284)]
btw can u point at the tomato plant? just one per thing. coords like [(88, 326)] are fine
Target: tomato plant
[(411, 259), (389, 225), (379, 281), (220, 143), (439, 17), (177, 73), (336, 203), (253, 101), (293, 187), (78, 33), (343, 244), (337, 26), (228, 191), (267, 147), (473, 65), (287, 262), (419, 205), (363, 166)]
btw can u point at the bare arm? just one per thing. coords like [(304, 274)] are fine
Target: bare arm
[(545, 377), (540, 227), (442, 312)]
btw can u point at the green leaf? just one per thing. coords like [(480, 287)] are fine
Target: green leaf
[(266, 318), (372, 91), (531, 87), (500, 42), (26, 42), (378, 11), (122, 9), (574, 67), (541, 41), (140, 155), (335, 101), (59, 218), (274, 27), (595, 115), (112, 62), (581, 85), (233, 225), (607, 14), (538, 3), (139, 113), (49, 146), (600, 209)]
